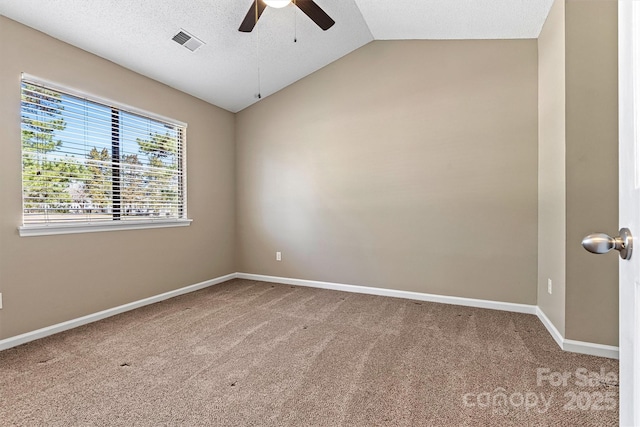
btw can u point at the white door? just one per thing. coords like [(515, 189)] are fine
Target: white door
[(629, 192)]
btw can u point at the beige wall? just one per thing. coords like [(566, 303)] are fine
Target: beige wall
[(551, 166), (409, 165), (50, 279), (592, 167), (578, 167)]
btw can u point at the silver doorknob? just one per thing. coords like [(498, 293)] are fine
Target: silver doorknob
[(601, 243)]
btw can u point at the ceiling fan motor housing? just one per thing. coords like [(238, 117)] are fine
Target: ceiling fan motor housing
[(277, 3), (309, 7)]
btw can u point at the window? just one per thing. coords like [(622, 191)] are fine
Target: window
[(90, 165)]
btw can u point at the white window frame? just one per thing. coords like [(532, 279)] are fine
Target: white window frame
[(45, 229)]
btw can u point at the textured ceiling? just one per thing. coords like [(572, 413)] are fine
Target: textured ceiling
[(233, 67), (454, 19)]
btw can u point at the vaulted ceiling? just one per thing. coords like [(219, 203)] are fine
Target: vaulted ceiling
[(233, 67)]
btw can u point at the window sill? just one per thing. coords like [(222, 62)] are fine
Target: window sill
[(52, 229)]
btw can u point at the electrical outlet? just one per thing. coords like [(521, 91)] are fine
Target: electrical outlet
[(549, 286), (278, 256)]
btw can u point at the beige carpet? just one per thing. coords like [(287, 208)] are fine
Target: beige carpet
[(247, 353)]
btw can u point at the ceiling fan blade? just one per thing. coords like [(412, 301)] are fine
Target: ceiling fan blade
[(317, 15), (250, 20)]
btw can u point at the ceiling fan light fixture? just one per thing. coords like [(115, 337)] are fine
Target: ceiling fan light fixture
[(277, 3)]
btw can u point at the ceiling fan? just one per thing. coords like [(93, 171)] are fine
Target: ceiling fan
[(309, 7)]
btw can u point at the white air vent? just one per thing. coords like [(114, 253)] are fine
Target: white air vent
[(187, 40)]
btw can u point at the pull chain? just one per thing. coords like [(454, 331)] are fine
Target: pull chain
[(258, 51)]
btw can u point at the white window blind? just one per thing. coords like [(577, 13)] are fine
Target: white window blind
[(86, 161)]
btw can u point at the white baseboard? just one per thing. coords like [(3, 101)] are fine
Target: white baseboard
[(592, 349), (555, 333), (565, 344), (60, 327), (468, 302)]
